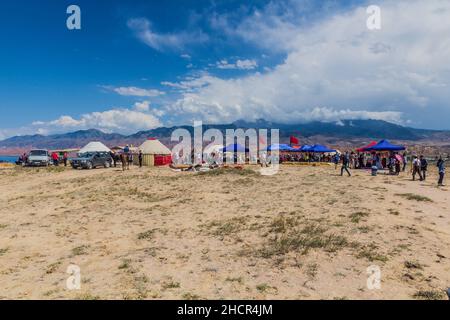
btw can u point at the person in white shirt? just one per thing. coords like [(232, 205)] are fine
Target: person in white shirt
[(416, 168)]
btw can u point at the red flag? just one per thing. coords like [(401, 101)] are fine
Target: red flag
[(294, 140)]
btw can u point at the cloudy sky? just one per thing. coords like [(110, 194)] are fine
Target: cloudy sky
[(144, 64)]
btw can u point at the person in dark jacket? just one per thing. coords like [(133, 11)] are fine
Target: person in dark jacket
[(114, 158), (140, 158), (336, 160), (441, 169), (345, 164), (423, 167)]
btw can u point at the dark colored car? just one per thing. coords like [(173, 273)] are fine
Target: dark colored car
[(92, 160)]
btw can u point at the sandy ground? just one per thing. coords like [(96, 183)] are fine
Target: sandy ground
[(305, 233)]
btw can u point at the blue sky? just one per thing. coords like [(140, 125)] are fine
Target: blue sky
[(142, 64)]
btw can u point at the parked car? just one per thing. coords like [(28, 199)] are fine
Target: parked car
[(38, 158), (92, 160)]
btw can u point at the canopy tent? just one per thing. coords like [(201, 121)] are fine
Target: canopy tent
[(362, 149), (154, 153), (385, 145), (305, 148), (320, 149), (234, 148), (280, 147), (94, 146)]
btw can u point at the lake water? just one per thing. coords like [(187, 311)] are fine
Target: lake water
[(11, 159)]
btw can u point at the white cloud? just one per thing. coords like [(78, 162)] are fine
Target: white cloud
[(114, 120), (246, 64), (142, 106), (239, 64), (162, 42), (135, 91), (122, 120), (337, 69), (191, 83)]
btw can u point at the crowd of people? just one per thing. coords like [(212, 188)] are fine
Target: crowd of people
[(126, 158), (393, 161)]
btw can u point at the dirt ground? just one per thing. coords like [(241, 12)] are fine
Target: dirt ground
[(304, 233)]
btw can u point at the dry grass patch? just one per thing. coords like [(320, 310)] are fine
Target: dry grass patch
[(429, 295), (80, 250), (357, 216), (222, 171), (236, 279), (413, 265), (370, 253), (146, 235), (264, 288), (52, 267), (412, 196), (190, 296), (289, 235), (170, 285), (227, 227)]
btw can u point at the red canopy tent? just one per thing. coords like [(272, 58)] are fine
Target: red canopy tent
[(366, 147)]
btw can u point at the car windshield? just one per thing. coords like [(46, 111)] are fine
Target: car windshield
[(39, 153), (86, 155)]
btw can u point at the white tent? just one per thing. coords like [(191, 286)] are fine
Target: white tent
[(94, 146), (153, 146)]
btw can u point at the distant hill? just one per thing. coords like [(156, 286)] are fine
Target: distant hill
[(327, 131)]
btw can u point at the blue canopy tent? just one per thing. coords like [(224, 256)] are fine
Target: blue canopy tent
[(235, 148), (385, 145), (305, 148), (280, 147), (317, 148)]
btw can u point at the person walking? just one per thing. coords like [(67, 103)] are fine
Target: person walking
[(65, 157), (113, 157), (130, 160), (423, 167), (441, 170), (397, 166), (140, 158), (416, 168), (336, 159), (405, 161), (345, 164), (55, 159)]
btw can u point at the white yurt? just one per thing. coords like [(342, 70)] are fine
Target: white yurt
[(94, 146), (155, 153)]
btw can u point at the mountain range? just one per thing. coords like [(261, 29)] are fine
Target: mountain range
[(353, 131)]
